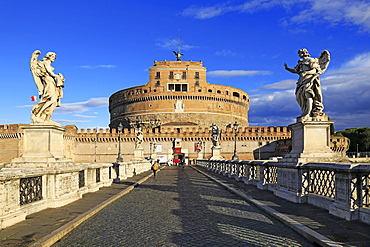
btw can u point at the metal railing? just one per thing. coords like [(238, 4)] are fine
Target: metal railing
[(30, 190), (358, 154), (81, 179)]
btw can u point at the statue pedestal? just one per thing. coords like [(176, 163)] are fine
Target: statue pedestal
[(42, 143), (138, 154), (216, 153), (311, 143)]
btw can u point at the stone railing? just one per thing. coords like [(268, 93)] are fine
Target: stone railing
[(24, 191), (343, 189)]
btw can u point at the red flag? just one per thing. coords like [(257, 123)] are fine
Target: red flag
[(33, 98)]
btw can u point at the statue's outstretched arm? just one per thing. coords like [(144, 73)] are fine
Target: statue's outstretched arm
[(290, 70)]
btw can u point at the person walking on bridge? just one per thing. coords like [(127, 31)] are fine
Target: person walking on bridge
[(155, 168)]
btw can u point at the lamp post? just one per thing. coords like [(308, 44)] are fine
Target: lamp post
[(259, 143), (119, 157), (236, 125), (95, 140), (204, 149), (151, 149)]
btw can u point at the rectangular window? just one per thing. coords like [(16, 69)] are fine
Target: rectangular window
[(171, 75), (196, 75), (158, 75), (183, 75), (177, 87)]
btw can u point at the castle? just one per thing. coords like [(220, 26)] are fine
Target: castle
[(178, 94)]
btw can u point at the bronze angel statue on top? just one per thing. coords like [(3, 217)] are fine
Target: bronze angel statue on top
[(49, 86), (308, 91)]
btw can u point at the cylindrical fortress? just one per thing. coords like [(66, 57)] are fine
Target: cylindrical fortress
[(178, 94)]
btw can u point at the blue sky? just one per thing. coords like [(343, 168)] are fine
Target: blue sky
[(106, 46)]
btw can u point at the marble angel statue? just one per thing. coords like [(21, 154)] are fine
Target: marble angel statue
[(215, 135), (308, 91), (49, 86), (139, 137)]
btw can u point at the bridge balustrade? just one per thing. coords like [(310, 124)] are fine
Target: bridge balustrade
[(28, 190), (343, 189)]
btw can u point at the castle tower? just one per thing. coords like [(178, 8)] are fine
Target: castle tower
[(178, 94)]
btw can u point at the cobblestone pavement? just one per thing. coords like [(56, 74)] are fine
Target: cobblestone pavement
[(181, 207)]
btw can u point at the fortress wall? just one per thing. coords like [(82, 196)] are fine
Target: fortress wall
[(10, 142), (102, 145)]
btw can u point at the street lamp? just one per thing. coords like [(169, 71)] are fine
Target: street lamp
[(151, 150), (119, 157), (259, 143), (236, 125), (95, 140), (204, 149)]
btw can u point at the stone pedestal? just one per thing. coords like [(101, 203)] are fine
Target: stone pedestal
[(42, 143), (311, 143), (138, 154), (216, 154)]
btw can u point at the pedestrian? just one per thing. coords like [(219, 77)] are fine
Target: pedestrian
[(155, 168)]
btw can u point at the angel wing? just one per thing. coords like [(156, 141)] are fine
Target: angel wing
[(35, 68), (324, 60)]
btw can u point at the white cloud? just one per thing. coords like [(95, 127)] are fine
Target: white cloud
[(105, 66), (80, 107), (24, 106), (84, 116), (235, 73), (173, 44), (207, 12), (354, 12), (362, 60), (281, 85), (70, 121), (226, 53)]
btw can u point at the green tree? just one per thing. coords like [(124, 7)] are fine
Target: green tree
[(359, 137)]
